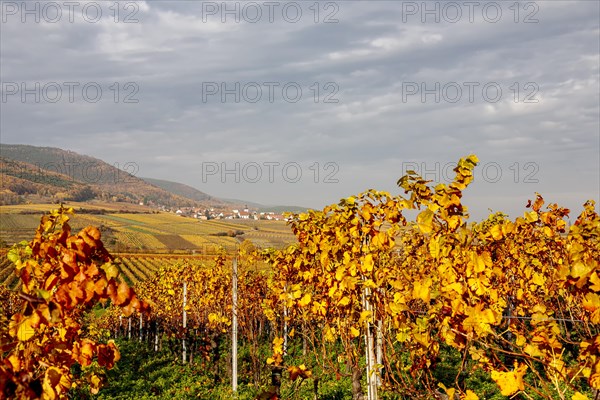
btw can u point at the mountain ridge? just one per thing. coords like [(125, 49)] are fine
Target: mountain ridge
[(57, 174)]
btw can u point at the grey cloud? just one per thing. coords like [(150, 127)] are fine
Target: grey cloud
[(373, 129)]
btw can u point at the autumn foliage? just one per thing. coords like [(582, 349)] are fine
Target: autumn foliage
[(517, 300), (63, 276), (512, 297)]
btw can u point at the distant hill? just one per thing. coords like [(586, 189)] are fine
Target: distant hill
[(195, 194), (53, 172), (24, 179), (183, 190)]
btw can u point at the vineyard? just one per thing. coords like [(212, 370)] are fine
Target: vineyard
[(145, 232), (7, 276), (135, 267), (366, 304)]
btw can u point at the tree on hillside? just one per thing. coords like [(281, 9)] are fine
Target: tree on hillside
[(83, 194)]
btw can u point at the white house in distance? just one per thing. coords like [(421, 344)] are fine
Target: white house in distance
[(271, 216)]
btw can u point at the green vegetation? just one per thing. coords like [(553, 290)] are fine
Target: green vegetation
[(143, 373)]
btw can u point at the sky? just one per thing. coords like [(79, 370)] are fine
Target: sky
[(303, 103)]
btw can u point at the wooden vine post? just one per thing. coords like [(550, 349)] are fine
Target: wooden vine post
[(234, 327), (184, 352)]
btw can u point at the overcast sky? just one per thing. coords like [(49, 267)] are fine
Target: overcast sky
[(302, 103)]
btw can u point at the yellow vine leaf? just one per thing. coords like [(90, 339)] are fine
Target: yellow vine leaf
[(364, 316), (579, 396), (329, 334), (369, 283), (533, 350), (25, 331), (434, 247), (591, 303), (479, 319), (594, 379), (595, 282), (340, 271), (421, 290), (402, 336), (95, 383), (299, 371), (531, 216), (319, 308), (456, 287), (278, 345), (344, 301), (496, 232), (470, 395), (425, 221), (305, 300), (54, 383), (510, 382), (538, 279), (580, 269), (111, 270), (449, 391), (368, 263), (15, 362)]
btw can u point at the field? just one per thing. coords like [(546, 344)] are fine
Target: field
[(7, 275), (130, 228), (141, 239)]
